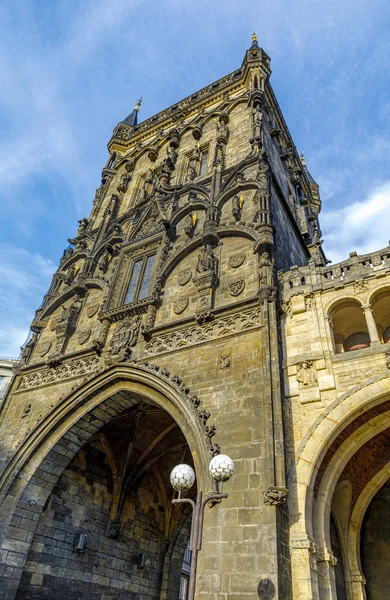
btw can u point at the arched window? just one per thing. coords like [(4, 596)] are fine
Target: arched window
[(380, 304), (350, 331)]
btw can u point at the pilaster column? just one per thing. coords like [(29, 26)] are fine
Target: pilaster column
[(371, 325), (304, 568), (326, 561), (358, 582)]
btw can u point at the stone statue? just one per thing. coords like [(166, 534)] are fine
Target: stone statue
[(206, 259), (104, 260), (237, 207), (83, 226), (257, 121), (190, 223), (266, 268), (306, 373), (70, 313), (196, 153), (28, 348), (191, 172), (124, 182)]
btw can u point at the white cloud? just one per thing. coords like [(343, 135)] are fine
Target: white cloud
[(24, 278), (362, 226)]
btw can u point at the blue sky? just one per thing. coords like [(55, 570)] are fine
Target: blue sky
[(71, 69)]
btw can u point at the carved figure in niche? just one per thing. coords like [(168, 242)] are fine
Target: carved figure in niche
[(191, 172), (257, 121), (149, 179), (237, 205), (104, 260), (172, 156), (306, 373), (68, 319), (266, 270), (224, 362), (83, 226), (263, 176), (190, 223), (71, 274), (222, 127), (124, 182), (125, 336), (196, 153), (28, 348), (206, 259)]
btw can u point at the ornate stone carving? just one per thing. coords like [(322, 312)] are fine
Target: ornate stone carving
[(236, 287), (310, 302), (307, 373), (180, 305), (26, 411), (206, 260), (236, 260), (44, 348), (237, 204), (28, 348), (360, 286), (266, 270), (184, 277), (54, 322), (224, 362), (190, 222), (124, 338), (84, 336), (83, 226), (273, 496), (113, 529), (217, 328), (76, 368), (104, 260), (92, 309), (124, 182)]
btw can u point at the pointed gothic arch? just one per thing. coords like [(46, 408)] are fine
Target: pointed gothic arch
[(40, 461)]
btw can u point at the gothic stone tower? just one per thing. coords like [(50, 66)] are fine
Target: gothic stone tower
[(158, 342)]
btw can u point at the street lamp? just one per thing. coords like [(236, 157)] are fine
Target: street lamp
[(221, 468)]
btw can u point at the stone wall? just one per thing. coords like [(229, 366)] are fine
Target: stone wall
[(108, 568)]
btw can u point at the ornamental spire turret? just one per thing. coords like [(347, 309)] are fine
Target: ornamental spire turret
[(132, 118)]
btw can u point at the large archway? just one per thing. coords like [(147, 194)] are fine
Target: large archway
[(101, 468), (340, 466)]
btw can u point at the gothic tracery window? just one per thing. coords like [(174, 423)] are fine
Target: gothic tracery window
[(141, 277)]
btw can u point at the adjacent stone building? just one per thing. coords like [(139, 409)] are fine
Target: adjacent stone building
[(195, 313)]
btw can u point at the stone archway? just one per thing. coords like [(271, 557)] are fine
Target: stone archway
[(329, 446), (52, 448)]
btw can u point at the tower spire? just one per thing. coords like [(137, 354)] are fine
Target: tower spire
[(132, 118), (255, 43)]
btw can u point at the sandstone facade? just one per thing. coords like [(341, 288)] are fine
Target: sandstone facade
[(195, 313)]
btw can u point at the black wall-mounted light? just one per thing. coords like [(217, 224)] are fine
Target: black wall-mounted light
[(79, 543)]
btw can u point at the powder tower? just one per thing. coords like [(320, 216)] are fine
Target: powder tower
[(194, 313)]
